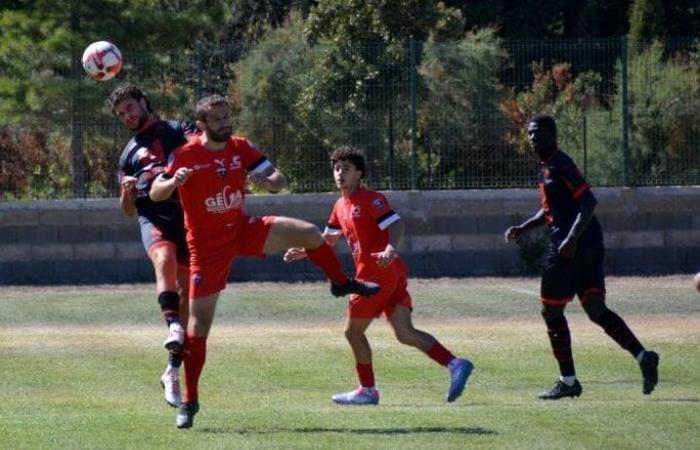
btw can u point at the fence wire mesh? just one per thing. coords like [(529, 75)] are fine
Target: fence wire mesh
[(429, 115)]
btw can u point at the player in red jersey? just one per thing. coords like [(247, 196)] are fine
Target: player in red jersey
[(210, 173), (374, 232)]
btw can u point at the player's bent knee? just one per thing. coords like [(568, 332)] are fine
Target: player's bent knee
[(551, 312)]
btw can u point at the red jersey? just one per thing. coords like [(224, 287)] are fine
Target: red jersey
[(364, 219), (213, 195)]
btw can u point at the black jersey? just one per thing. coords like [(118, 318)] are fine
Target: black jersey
[(562, 187), (146, 155)]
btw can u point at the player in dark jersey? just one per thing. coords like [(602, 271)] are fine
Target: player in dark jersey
[(162, 224), (574, 260)]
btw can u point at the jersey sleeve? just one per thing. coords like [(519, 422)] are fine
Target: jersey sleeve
[(333, 226), (572, 178), (124, 169), (188, 128), (252, 158), (381, 211), (174, 162)]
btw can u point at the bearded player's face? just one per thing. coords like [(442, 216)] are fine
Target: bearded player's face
[(131, 113), (218, 124)]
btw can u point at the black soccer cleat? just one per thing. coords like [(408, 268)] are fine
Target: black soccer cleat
[(353, 286), (186, 413), (650, 371), (561, 390)]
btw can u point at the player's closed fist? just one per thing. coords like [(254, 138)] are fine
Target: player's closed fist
[(181, 175), (128, 184)]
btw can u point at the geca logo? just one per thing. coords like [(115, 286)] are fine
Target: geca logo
[(225, 200)]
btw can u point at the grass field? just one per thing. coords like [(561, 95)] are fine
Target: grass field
[(79, 369)]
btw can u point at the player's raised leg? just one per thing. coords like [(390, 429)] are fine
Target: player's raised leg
[(288, 232)]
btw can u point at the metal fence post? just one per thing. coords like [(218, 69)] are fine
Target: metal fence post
[(625, 115), (414, 115), (199, 70), (76, 142)]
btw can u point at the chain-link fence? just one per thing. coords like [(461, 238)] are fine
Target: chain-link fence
[(429, 115)]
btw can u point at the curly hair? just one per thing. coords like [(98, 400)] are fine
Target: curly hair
[(354, 155)]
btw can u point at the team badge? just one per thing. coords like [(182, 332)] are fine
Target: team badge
[(220, 167), (377, 203)]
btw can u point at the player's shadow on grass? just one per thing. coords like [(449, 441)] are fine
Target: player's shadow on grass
[(365, 431)]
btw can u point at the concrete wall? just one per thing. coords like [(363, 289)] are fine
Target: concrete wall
[(449, 233)]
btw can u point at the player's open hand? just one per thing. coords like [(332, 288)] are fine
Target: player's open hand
[(294, 254), (513, 233), (181, 175), (129, 184), (386, 257)]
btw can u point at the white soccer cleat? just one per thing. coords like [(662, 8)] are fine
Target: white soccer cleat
[(170, 380), (360, 396), (176, 337)]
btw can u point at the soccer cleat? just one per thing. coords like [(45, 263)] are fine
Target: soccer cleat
[(459, 374), (561, 390), (170, 381), (360, 396), (650, 371), (353, 286), (176, 337), (186, 413)]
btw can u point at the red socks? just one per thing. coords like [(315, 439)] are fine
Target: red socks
[(194, 356), (366, 374), (325, 259), (440, 354)]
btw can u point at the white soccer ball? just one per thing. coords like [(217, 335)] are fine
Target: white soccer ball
[(102, 60)]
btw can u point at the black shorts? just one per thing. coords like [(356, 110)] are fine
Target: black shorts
[(157, 230), (562, 278)]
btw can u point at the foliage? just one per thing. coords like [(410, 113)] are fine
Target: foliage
[(646, 23), (665, 119), (459, 118), (34, 164)]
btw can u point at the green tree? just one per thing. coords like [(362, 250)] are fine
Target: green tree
[(646, 23)]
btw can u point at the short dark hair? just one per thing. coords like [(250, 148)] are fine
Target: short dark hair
[(354, 155), (124, 91), (205, 105), (546, 121)]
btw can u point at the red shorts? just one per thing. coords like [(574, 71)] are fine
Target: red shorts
[(211, 257), (393, 283)]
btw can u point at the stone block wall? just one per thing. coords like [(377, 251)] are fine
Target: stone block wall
[(449, 233)]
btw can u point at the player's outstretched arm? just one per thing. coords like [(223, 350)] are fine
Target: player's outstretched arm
[(163, 188), (535, 221)]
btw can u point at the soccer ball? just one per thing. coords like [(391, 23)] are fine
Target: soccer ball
[(102, 60)]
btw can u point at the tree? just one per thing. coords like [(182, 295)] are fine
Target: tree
[(646, 23)]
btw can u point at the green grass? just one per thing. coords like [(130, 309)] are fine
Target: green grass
[(79, 369)]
